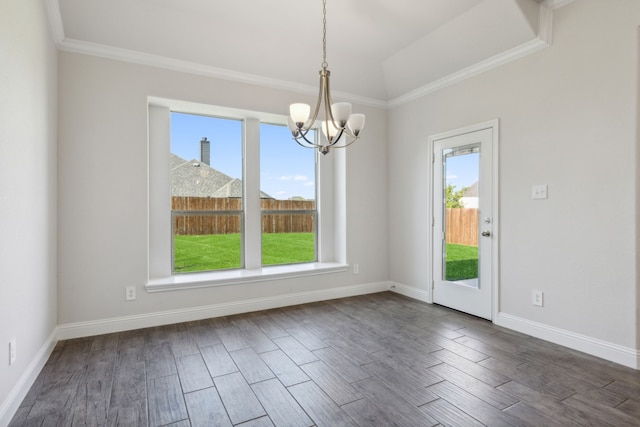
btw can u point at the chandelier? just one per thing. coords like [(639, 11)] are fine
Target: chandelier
[(340, 127)]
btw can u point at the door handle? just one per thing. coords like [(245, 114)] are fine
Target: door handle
[(486, 233)]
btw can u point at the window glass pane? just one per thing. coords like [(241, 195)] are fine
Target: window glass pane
[(206, 242), (461, 178), (288, 203), (287, 170), (288, 238), (206, 192)]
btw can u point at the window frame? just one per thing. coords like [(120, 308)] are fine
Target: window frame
[(330, 205), (239, 212), (313, 212)]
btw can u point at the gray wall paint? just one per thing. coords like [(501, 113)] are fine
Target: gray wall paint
[(567, 119), (28, 299), (103, 189)]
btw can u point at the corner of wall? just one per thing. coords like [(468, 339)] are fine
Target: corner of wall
[(636, 192), (11, 404)]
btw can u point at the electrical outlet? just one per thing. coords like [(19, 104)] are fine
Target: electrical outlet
[(537, 298), (130, 293), (539, 191), (12, 351), (356, 269)]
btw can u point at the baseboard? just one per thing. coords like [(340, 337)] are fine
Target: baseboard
[(20, 390), (411, 292), (613, 352), (98, 327), (118, 324), (599, 348)]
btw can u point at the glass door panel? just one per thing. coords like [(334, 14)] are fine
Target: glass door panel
[(460, 246)]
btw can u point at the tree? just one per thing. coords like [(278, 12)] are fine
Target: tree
[(453, 196)]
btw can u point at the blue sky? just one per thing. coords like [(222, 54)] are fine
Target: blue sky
[(286, 169), (462, 171)]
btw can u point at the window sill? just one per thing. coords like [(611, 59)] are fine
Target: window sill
[(232, 277)]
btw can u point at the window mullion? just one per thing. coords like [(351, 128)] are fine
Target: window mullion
[(160, 257), (252, 215)]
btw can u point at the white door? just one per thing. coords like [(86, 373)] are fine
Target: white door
[(463, 220)]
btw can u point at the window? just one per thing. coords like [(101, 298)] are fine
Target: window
[(206, 193), (288, 201), (264, 223)]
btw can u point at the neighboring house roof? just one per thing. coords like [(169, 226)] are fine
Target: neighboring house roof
[(233, 188), (469, 197), (193, 178), (230, 189), (176, 161), (471, 191)]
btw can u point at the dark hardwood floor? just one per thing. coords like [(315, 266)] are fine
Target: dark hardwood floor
[(375, 360)]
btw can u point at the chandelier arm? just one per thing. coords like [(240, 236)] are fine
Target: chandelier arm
[(327, 108), (329, 102), (316, 111), (346, 144), (350, 134), (336, 138), (327, 115), (300, 130), (301, 133), (310, 144)]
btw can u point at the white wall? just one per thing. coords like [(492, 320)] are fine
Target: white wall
[(103, 189), (637, 198), (27, 189), (567, 119)]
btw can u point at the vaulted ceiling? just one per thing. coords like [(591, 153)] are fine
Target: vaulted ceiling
[(380, 52)]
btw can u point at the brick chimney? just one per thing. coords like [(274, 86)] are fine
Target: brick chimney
[(205, 151)]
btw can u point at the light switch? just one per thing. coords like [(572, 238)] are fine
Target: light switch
[(539, 191)]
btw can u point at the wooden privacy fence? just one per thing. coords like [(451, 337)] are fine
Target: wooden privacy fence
[(193, 215), (462, 226), (288, 221)]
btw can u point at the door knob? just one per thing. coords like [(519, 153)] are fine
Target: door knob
[(486, 233)]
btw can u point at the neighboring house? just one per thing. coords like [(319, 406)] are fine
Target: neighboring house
[(194, 178), (469, 198)]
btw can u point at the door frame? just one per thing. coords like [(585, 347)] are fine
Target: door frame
[(495, 247)]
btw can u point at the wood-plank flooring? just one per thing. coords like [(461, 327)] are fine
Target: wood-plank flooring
[(374, 360)]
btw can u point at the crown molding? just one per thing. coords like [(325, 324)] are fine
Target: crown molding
[(556, 4), (141, 58), (77, 46), (466, 73), (86, 48), (55, 20), (544, 39)]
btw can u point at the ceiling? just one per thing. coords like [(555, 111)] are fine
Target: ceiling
[(379, 51)]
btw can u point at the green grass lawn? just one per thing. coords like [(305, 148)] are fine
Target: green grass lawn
[(287, 248), (222, 251), (462, 262)]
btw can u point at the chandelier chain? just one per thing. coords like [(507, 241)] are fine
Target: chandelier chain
[(324, 34), (340, 127)]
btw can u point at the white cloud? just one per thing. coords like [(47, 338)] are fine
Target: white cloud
[(293, 178)]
